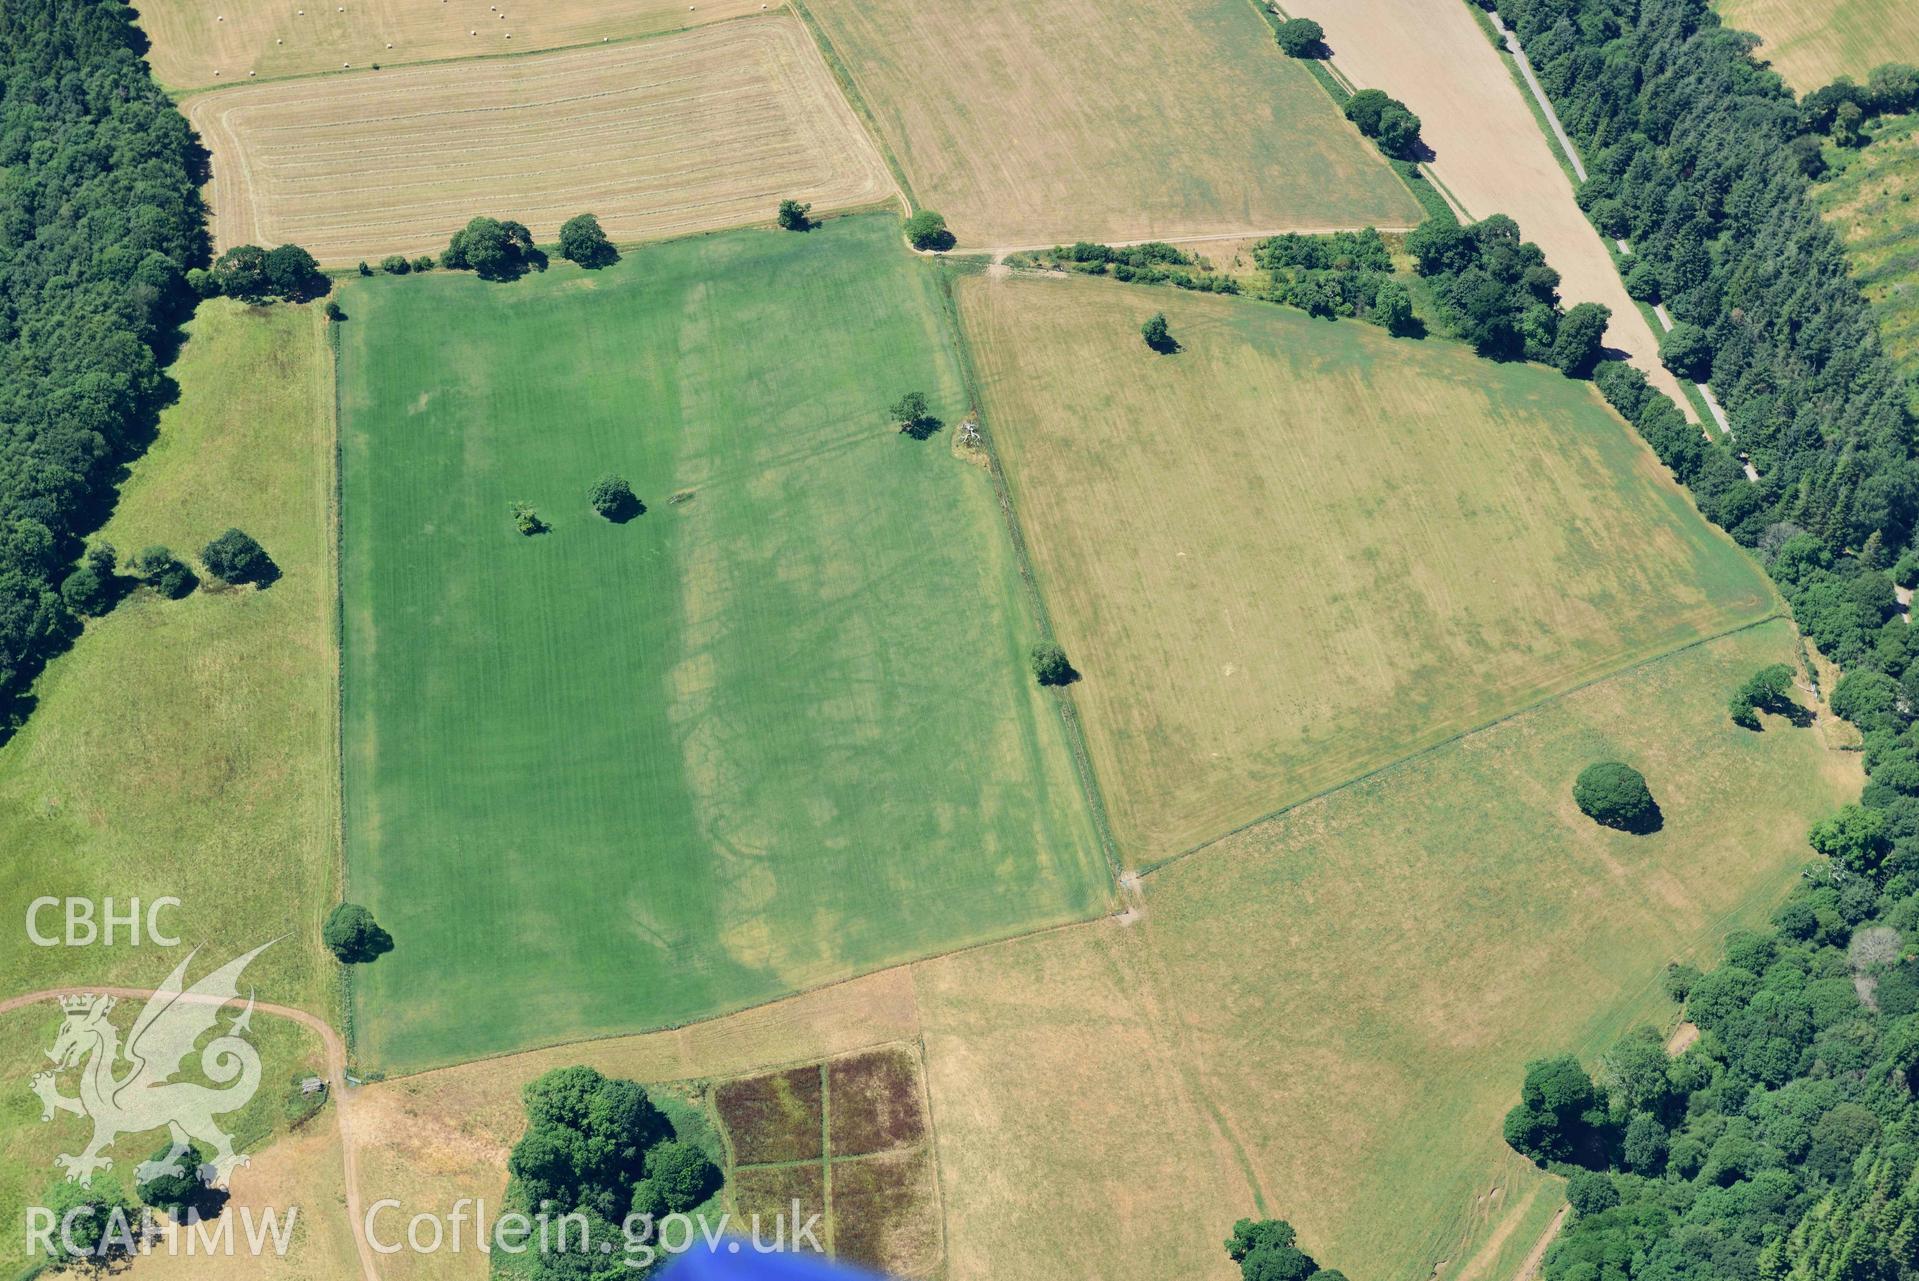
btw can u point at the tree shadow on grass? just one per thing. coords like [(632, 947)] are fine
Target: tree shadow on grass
[(922, 427)]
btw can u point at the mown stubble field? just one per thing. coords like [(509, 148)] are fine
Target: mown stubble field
[(204, 44), (687, 132), (1034, 121), (1812, 42)]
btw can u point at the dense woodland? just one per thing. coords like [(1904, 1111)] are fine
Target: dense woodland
[(1782, 1143), (100, 218)]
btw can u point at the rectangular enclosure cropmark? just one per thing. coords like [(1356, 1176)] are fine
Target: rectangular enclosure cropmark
[(616, 776)]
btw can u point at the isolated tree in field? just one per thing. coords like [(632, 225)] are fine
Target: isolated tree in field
[(492, 249), (1156, 333), (293, 274), (582, 241), (614, 499), (927, 230), (1581, 339), (353, 936), (1615, 795), (241, 272), (164, 572), (234, 557), (1301, 38), (1050, 666), (1268, 1250), (1765, 690), (794, 216), (910, 415), (527, 520), (1687, 351), (176, 1186)]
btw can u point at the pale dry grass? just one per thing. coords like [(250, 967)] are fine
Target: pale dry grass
[(430, 1139), (1034, 121), (686, 132), (1295, 550), (1324, 1017), (300, 1172), (206, 43), (1490, 151), (1810, 42)]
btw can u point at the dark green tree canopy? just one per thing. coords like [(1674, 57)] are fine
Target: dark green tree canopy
[(353, 936), (1050, 666), (613, 498), (794, 216), (102, 224), (164, 572), (599, 1146), (234, 557), (293, 274), (926, 230), (1301, 38), (1268, 1250), (492, 249), (177, 1184), (1687, 351), (582, 241), (911, 415), (1615, 794), (1156, 334)]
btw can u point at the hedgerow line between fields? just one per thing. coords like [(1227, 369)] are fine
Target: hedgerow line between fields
[(1774, 616)]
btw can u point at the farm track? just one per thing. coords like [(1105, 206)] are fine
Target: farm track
[(1489, 151), (336, 1082), (628, 131)]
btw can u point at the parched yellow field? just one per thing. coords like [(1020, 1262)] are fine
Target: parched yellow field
[(1297, 549), (1035, 121), (199, 44), (686, 132), (1324, 1017), (1810, 42)]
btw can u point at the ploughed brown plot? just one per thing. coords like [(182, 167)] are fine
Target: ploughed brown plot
[(872, 1180), (686, 132)]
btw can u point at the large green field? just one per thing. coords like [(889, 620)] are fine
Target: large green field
[(617, 776), (1323, 1018), (186, 748), (1812, 42), (1037, 121), (1296, 549), (1869, 201)]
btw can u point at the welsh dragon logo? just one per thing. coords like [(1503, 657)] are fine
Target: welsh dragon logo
[(143, 1096)]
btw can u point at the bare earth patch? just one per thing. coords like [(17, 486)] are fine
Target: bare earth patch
[(687, 132)]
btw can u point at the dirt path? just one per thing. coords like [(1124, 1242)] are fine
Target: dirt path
[(336, 1078), (1488, 148), (1529, 1268)]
